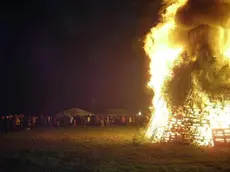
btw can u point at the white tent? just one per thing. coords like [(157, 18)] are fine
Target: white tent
[(73, 112)]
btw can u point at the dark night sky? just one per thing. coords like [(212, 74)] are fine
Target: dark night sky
[(59, 54)]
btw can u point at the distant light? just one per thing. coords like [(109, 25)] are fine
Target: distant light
[(139, 113)]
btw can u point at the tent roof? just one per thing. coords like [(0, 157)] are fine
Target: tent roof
[(74, 112)]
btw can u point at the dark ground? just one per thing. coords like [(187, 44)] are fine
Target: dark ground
[(103, 150)]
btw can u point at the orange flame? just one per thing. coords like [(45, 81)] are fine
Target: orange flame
[(163, 55)]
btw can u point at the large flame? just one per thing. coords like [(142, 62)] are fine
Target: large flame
[(164, 54)]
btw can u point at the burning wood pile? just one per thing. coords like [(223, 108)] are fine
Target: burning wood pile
[(185, 126), (189, 53), (206, 126)]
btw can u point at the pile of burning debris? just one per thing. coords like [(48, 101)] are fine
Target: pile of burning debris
[(202, 30), (190, 125)]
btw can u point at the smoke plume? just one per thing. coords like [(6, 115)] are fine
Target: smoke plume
[(198, 25), (207, 12)]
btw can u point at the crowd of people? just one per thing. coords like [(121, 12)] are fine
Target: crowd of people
[(21, 122)]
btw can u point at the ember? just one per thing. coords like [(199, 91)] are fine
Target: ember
[(189, 53)]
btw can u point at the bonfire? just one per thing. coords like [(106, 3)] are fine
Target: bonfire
[(189, 51)]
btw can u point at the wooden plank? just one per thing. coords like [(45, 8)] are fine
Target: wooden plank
[(221, 136), (219, 141)]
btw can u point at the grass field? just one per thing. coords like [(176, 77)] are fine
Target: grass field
[(103, 150)]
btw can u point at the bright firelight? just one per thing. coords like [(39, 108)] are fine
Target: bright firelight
[(164, 54)]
